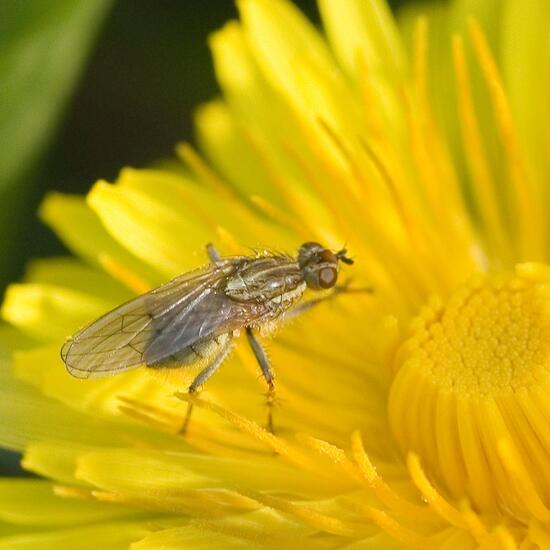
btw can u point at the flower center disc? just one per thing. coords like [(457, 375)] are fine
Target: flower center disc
[(472, 392)]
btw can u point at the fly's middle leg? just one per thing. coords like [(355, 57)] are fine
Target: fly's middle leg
[(267, 373), (201, 378)]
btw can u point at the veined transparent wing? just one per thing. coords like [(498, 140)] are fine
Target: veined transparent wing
[(157, 324)]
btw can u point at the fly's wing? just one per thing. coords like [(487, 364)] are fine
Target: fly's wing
[(156, 325)]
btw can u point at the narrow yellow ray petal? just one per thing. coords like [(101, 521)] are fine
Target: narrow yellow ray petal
[(238, 222), (155, 231), (153, 414), (194, 503), (52, 461), (74, 274), (263, 527), (110, 536), (43, 368), (64, 213), (33, 502), (501, 538), (381, 257), (528, 492), (278, 32), (281, 217), (357, 28), (448, 449), (420, 58), (128, 471), (30, 417), (312, 517), (439, 504), (383, 491), (194, 538), (524, 56), (380, 541), (426, 142), (258, 118), (539, 534), (281, 446), (203, 172), (444, 210), (47, 312), (528, 222), (400, 533), (122, 273), (484, 186), (333, 453), (223, 141)]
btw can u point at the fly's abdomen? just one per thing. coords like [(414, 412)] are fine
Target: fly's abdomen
[(197, 352)]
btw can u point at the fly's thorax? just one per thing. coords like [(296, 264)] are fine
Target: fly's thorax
[(264, 280), (273, 310), (280, 303)]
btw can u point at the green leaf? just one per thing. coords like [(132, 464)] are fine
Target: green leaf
[(43, 46)]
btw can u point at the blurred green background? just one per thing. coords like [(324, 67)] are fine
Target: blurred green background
[(136, 70), (87, 87)]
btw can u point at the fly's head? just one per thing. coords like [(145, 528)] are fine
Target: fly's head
[(320, 265)]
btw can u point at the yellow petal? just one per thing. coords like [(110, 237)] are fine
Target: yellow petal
[(29, 417), (296, 61), (50, 312), (254, 124), (231, 154), (189, 538), (73, 274), (278, 33), (225, 223), (526, 83), (33, 502), (173, 475), (81, 230), (57, 462), (443, 20), (12, 339), (160, 234), (109, 536), (262, 528), (364, 29), (251, 166), (43, 368), (155, 481)]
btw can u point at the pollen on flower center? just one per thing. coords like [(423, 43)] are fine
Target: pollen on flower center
[(469, 393), (490, 337)]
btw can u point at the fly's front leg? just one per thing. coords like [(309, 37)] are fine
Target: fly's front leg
[(267, 373), (213, 254), (302, 307), (201, 378)]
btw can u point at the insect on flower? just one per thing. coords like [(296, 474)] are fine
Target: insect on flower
[(196, 316)]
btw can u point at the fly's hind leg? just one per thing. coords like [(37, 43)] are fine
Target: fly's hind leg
[(267, 373), (201, 378)]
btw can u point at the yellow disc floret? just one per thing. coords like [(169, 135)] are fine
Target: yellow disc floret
[(468, 395)]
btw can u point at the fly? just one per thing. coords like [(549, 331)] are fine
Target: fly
[(196, 316)]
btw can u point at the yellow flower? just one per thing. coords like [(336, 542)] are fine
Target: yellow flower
[(415, 417)]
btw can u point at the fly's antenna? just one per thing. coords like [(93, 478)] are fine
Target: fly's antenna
[(341, 255)]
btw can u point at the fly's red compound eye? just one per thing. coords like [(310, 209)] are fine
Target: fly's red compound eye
[(327, 277)]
